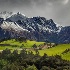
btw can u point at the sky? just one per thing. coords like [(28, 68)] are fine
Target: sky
[(58, 10)]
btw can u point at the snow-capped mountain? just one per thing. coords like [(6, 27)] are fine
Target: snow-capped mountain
[(16, 17), (36, 28), (5, 14), (64, 35), (11, 25)]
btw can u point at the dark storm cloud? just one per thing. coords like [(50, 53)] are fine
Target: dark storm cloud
[(14, 2), (58, 10)]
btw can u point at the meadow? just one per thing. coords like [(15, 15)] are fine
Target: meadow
[(18, 45), (57, 50)]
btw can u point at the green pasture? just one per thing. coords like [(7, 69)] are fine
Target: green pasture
[(57, 50), (18, 44)]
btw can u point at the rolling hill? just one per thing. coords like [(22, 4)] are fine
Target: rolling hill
[(13, 44), (57, 50)]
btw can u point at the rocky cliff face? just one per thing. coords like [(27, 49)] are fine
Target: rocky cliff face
[(36, 28)]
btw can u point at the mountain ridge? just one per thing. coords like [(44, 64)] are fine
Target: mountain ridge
[(36, 28)]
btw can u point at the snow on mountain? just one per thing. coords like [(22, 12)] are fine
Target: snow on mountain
[(11, 25), (40, 22), (5, 14), (36, 28), (16, 17)]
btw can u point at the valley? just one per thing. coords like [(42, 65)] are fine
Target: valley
[(28, 45), (33, 43)]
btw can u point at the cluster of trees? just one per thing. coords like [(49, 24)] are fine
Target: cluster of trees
[(26, 60), (66, 51), (21, 39)]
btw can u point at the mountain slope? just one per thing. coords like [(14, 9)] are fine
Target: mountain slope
[(64, 35), (35, 28), (16, 17)]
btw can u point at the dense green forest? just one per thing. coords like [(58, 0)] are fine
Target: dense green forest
[(26, 60)]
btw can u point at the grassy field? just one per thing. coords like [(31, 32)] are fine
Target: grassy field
[(18, 44), (57, 50), (66, 56)]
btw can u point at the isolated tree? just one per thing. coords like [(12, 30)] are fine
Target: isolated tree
[(34, 46), (36, 51)]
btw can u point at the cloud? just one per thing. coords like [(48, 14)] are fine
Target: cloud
[(65, 2), (58, 10)]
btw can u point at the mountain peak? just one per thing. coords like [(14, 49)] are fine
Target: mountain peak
[(5, 14), (16, 17), (36, 28), (18, 13)]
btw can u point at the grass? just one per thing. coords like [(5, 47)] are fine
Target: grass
[(57, 50), (66, 56), (27, 44)]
